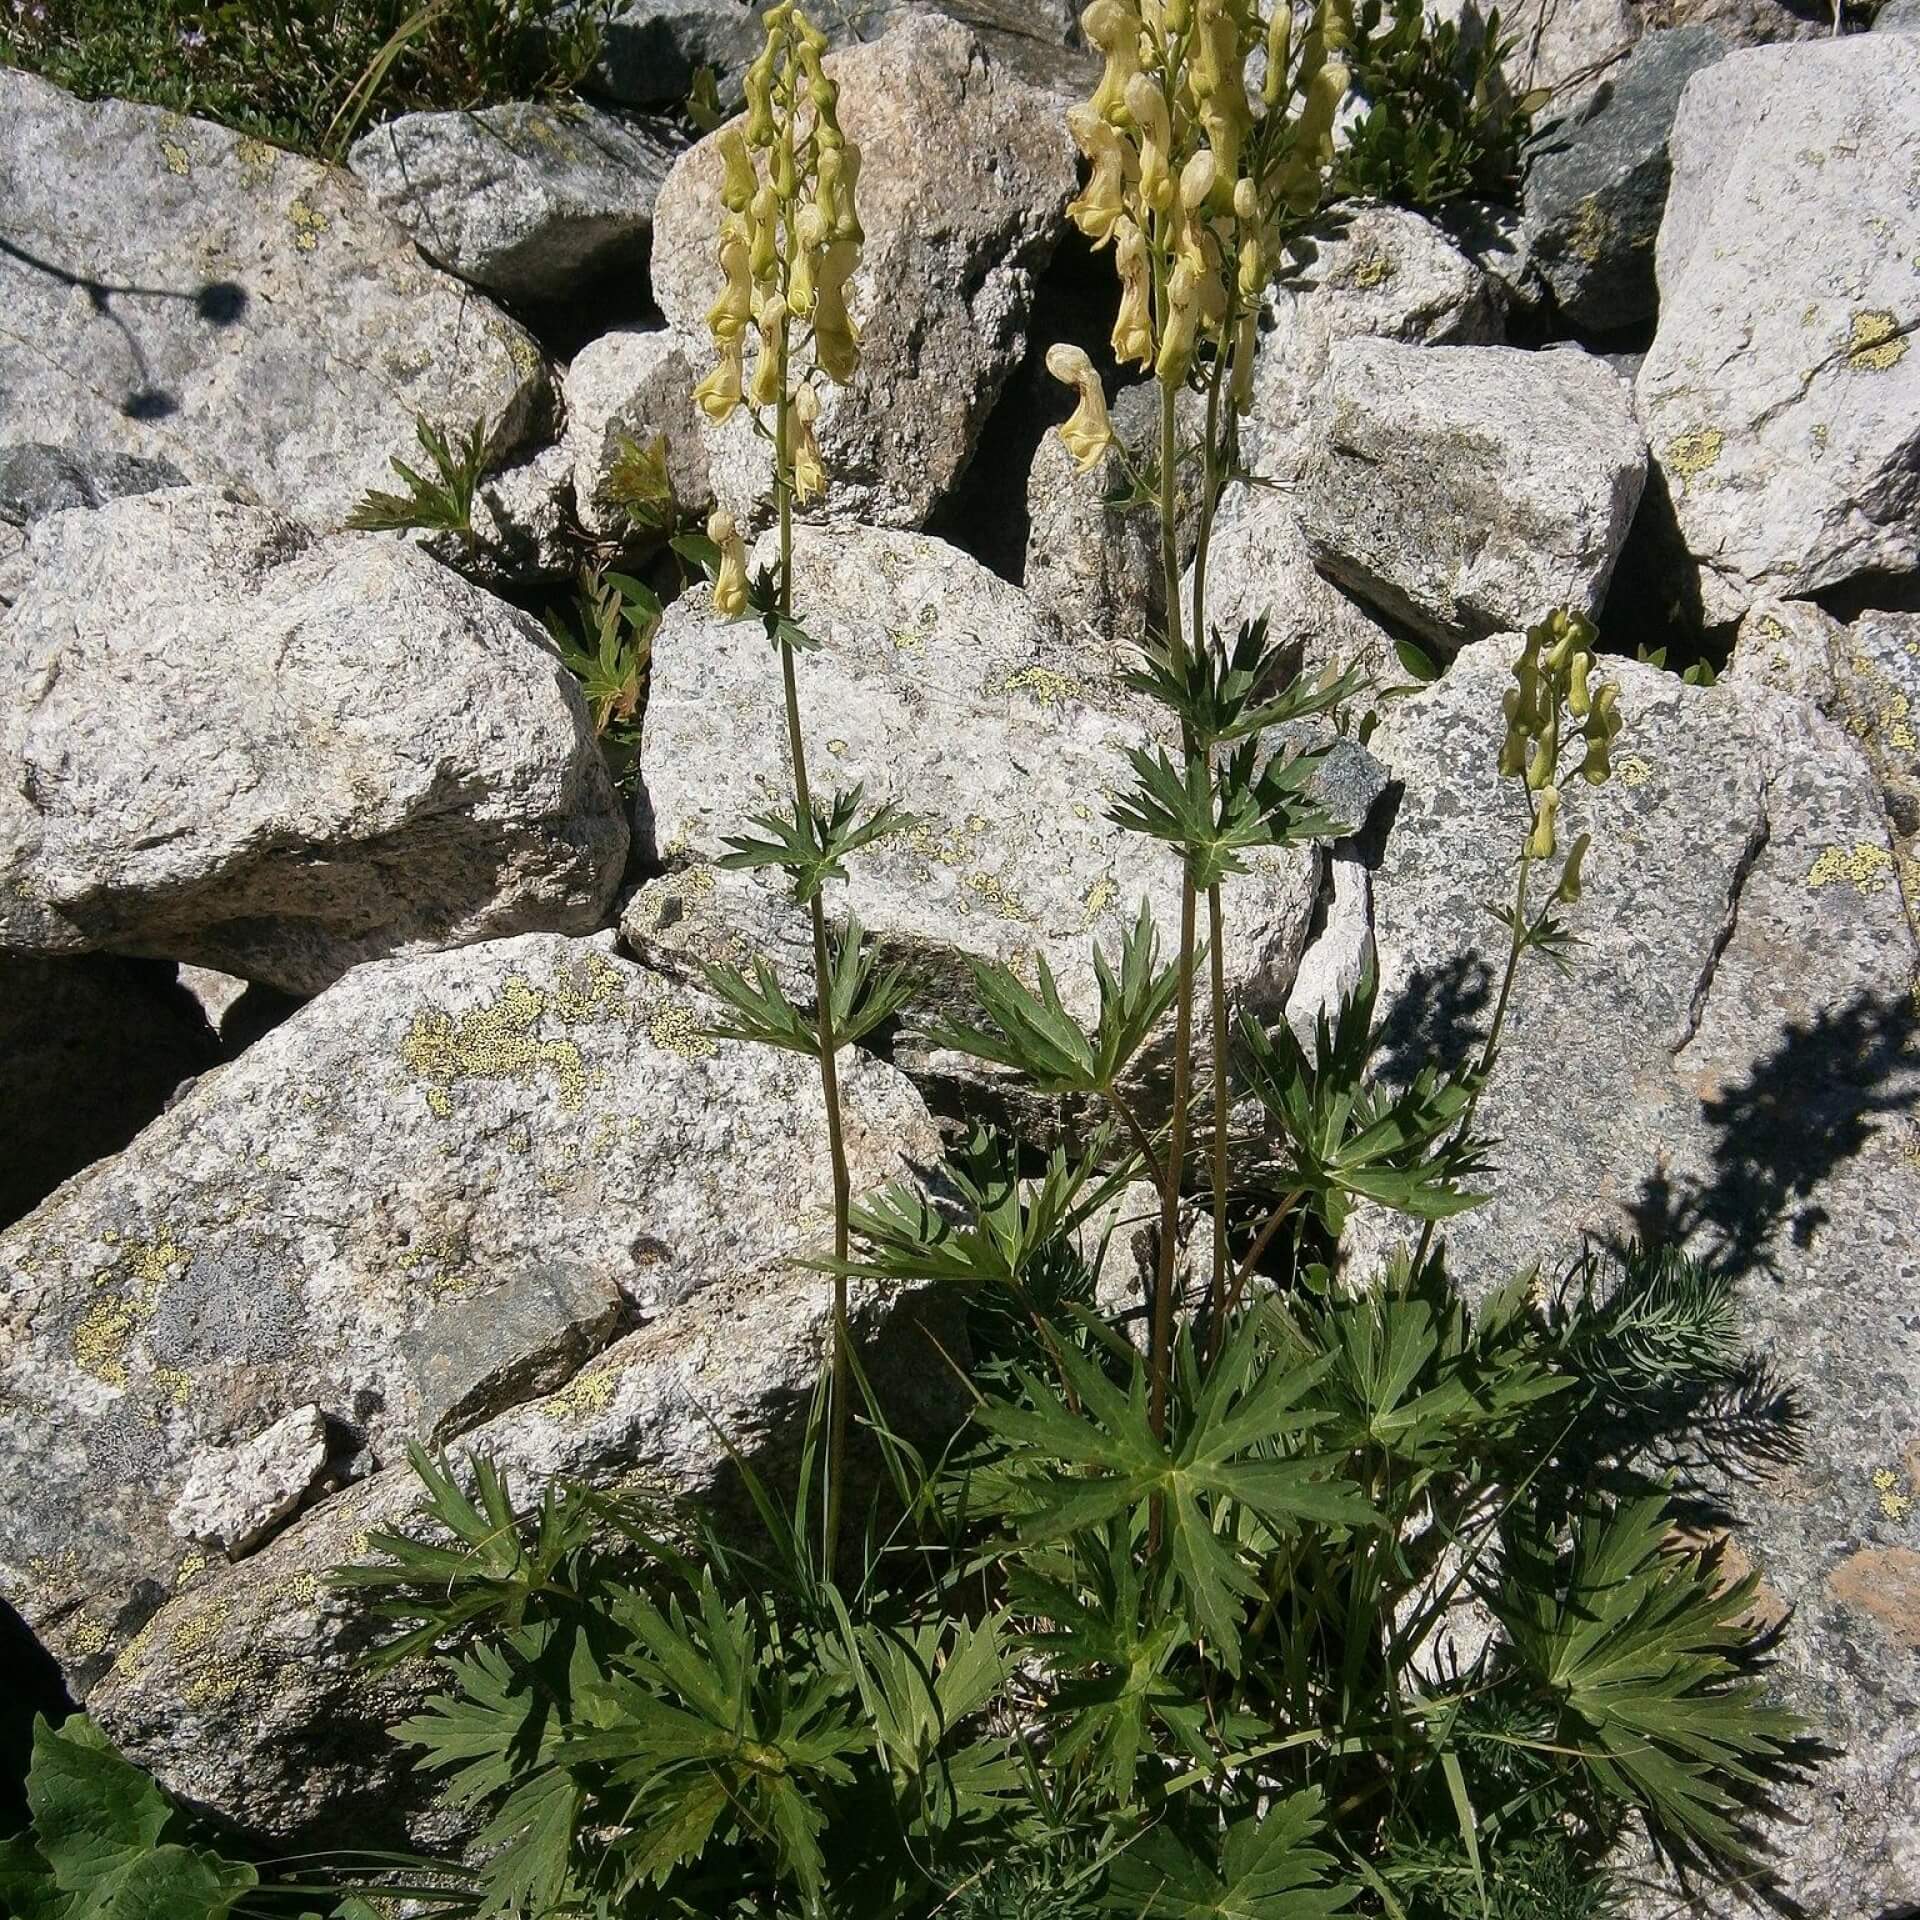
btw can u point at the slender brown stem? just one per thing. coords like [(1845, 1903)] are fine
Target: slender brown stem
[(1244, 1272), (1176, 1161), (1145, 1146), (1221, 1099)]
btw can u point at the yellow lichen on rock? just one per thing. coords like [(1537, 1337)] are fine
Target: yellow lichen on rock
[(1875, 342), (1867, 868), (1692, 453)]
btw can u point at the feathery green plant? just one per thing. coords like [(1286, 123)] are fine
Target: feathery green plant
[(441, 502)]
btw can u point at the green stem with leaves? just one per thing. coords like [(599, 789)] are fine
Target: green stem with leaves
[(841, 1359)]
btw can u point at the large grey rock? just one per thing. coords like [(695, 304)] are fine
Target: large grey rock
[(90, 1050), (245, 1691), (1464, 490), (1781, 389), (650, 50), (1096, 571), (176, 291), (1866, 679), (533, 201), (1261, 567), (429, 1196), (934, 684), (279, 754), (1370, 272), (1897, 16), (1731, 1064), (631, 387), (966, 170), (1596, 186)]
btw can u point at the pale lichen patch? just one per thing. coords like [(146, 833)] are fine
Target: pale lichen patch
[(495, 1042), (1867, 868), (1694, 452), (1874, 341), (308, 222)]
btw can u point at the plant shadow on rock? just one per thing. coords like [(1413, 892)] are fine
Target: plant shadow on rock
[(219, 303)]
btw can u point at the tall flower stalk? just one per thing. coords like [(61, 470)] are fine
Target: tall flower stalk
[(1194, 185), (789, 241)]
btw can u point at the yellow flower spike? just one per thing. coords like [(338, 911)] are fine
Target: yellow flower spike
[(1148, 107), (809, 472), (1088, 433), (1568, 891), (1113, 29), (1279, 49), (719, 393), (1540, 843), (741, 182), (730, 581), (836, 341), (765, 390), (1133, 325), (1578, 699), (1104, 198)]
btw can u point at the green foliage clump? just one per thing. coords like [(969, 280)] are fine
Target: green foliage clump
[(106, 1844), (305, 73), (440, 502), (1440, 122), (606, 641)]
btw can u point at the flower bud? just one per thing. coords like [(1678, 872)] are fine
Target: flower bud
[(1089, 433), (1540, 765), (764, 259), (730, 582), (1197, 178), (1568, 891), (1279, 49), (1578, 699)]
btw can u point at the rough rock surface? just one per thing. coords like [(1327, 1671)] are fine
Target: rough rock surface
[(935, 685), (1732, 1063), (1597, 185), (1260, 564), (966, 169), (177, 291), (1467, 490), (92, 1049), (530, 201), (1371, 272), (236, 1497), (244, 1692), (632, 386), (1781, 393), (1865, 678), (430, 1195), (278, 754), (651, 49)]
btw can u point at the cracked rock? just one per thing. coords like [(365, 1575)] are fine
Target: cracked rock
[(532, 201), (1782, 386), (934, 684), (966, 172), (1730, 1064), (630, 388), (183, 293), (246, 1693), (236, 1497), (1466, 490), (429, 1195), (277, 755)]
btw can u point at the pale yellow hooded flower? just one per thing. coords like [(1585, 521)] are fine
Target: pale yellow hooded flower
[(809, 471), (1088, 433), (719, 393), (730, 582)]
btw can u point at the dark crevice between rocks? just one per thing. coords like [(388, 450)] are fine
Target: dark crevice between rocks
[(1653, 600), (1710, 967), (1869, 593), (616, 296), (985, 512), (30, 1684)]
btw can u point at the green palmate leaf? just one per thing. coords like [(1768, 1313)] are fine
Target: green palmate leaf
[(861, 993), (441, 504), (1643, 1648), (1226, 693), (1035, 1035), (499, 1563), (640, 483), (1214, 815), (1345, 1137), (811, 845), (760, 1010), (1251, 1867), (608, 647), (698, 550), (1092, 1458)]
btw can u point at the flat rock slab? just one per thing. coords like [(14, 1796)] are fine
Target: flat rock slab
[(1368, 272), (966, 171), (1731, 1064), (532, 201), (175, 290), (936, 685), (238, 744), (1467, 490), (429, 1196), (1782, 387), (1597, 185)]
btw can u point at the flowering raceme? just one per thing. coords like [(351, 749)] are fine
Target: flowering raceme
[(789, 242)]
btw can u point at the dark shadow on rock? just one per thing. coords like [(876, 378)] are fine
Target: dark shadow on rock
[(1803, 1109), (1438, 1017), (218, 303), (1653, 599), (32, 1686)]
